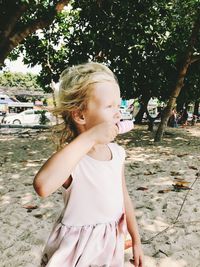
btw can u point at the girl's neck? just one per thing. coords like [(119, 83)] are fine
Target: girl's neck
[(100, 152), (98, 148)]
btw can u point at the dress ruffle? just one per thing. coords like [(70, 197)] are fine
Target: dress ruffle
[(99, 245)]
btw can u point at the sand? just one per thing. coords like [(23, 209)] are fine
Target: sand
[(151, 173)]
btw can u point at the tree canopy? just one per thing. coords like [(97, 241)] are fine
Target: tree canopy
[(143, 42)]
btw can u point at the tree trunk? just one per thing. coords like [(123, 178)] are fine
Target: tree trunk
[(180, 81), (143, 108), (196, 108), (164, 120), (53, 88)]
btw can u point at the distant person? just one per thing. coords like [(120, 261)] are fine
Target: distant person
[(194, 120), (173, 119), (90, 169), (184, 117), (131, 108), (45, 102)]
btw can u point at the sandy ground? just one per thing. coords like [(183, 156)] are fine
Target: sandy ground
[(159, 178)]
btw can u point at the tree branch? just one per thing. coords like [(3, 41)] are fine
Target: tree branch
[(193, 39), (10, 19), (16, 37), (38, 23)]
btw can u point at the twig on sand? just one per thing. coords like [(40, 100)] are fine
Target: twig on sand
[(176, 220), (159, 251)]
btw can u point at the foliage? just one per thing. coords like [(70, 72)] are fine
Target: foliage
[(143, 42), (51, 51), (20, 80), (191, 90)]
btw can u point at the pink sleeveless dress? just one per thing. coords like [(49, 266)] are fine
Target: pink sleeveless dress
[(90, 231)]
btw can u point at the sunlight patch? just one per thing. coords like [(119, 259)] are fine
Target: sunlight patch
[(16, 176), (172, 263), (5, 200), (155, 225)]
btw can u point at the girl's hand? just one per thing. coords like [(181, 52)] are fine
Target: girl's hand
[(138, 257), (104, 133)]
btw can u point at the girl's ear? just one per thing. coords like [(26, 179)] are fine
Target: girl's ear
[(78, 117)]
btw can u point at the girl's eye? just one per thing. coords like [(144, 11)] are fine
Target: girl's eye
[(109, 106)]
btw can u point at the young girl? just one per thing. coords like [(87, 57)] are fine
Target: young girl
[(90, 170)]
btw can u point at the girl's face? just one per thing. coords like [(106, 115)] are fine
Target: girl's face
[(103, 105)]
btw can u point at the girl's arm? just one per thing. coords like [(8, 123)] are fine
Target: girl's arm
[(59, 166), (132, 226), (57, 169)]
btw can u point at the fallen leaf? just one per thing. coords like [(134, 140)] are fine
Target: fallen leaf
[(149, 173), (142, 188), (182, 155), (173, 173), (193, 167), (164, 191), (178, 187), (181, 183), (30, 206), (39, 216)]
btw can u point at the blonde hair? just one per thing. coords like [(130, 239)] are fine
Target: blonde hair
[(74, 92)]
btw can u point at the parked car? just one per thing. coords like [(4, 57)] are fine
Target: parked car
[(125, 114), (29, 116)]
